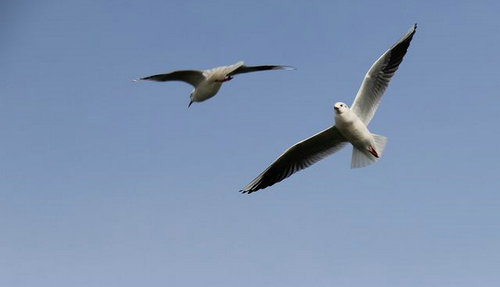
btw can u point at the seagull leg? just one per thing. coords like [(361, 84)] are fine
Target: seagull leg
[(373, 151), (226, 79)]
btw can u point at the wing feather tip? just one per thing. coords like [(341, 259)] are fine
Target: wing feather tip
[(413, 29), (246, 191), (286, 68)]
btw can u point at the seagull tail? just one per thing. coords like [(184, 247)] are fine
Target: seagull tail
[(364, 158), (380, 142)]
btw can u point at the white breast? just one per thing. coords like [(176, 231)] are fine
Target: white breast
[(353, 129), (205, 90)]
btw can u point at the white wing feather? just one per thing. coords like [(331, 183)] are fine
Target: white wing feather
[(378, 76)]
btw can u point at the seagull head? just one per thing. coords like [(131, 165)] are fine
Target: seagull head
[(340, 108)]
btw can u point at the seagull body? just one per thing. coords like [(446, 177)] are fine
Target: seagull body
[(207, 83), (367, 147), (212, 81), (351, 125)]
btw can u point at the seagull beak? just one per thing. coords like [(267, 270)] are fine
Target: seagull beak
[(190, 102)]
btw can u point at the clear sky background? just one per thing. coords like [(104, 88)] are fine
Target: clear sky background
[(106, 182)]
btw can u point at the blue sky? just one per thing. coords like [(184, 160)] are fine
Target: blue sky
[(106, 182)]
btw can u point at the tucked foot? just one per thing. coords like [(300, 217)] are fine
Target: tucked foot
[(226, 79), (373, 151)]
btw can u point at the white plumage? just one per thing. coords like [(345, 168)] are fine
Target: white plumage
[(350, 125), (207, 83)]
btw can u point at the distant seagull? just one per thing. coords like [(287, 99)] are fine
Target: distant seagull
[(208, 82), (350, 125)]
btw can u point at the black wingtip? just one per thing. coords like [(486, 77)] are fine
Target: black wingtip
[(414, 28)]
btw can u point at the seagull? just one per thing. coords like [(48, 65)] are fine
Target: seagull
[(350, 125), (207, 83)]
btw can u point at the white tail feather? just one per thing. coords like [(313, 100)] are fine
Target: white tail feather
[(364, 158), (361, 159), (380, 142)]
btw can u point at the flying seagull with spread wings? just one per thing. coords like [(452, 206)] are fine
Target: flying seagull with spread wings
[(207, 83), (350, 125)]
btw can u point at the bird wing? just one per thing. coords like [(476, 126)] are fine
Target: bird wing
[(192, 77), (248, 69), (221, 72), (299, 156), (378, 76)]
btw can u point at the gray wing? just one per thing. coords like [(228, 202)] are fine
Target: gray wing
[(248, 69), (299, 156), (377, 78), (192, 77)]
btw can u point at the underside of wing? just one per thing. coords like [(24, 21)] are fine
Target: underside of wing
[(192, 77), (222, 71), (298, 157), (248, 69), (378, 76)]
